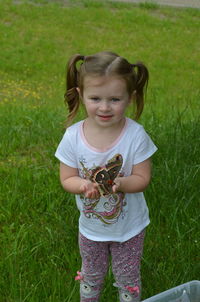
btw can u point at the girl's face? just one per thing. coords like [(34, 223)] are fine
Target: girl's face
[(106, 99)]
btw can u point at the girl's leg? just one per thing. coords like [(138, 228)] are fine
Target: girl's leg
[(126, 258), (94, 267)]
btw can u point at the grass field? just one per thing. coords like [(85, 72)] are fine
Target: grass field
[(38, 220)]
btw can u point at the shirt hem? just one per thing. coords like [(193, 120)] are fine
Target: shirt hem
[(124, 238), (146, 156), (64, 161)]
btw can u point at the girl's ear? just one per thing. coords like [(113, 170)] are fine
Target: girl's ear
[(78, 89), (79, 92), (133, 95)]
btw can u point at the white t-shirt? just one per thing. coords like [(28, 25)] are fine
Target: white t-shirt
[(112, 217)]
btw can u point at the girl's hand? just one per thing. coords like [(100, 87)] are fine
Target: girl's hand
[(116, 186), (137, 181), (89, 189)]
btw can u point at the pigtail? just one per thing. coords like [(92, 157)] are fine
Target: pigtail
[(142, 77), (72, 96)]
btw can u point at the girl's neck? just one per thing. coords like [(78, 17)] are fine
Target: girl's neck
[(102, 138)]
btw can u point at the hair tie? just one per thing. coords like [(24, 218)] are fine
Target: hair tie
[(133, 65), (82, 58)]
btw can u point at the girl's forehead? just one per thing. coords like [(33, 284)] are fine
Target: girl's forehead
[(97, 81)]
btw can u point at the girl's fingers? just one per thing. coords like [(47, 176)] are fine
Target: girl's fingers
[(114, 188), (90, 190), (92, 194)]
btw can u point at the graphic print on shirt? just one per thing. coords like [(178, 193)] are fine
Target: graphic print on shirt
[(109, 206)]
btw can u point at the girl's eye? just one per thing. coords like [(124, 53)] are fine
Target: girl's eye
[(115, 99), (95, 99)]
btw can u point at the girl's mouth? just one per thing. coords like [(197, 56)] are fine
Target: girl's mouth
[(105, 117)]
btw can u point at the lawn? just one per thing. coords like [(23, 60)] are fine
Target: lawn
[(38, 220)]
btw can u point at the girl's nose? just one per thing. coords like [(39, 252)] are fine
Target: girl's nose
[(104, 106)]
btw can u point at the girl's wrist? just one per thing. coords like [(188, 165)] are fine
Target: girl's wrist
[(83, 183)]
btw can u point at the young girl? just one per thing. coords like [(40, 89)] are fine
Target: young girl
[(105, 161)]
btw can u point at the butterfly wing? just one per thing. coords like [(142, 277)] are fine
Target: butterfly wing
[(114, 166), (104, 176), (101, 177)]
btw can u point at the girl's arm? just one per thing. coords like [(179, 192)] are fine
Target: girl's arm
[(73, 183), (137, 181)]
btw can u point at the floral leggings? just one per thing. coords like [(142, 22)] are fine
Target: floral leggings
[(126, 258)]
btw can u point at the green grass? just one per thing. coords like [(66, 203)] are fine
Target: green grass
[(38, 220)]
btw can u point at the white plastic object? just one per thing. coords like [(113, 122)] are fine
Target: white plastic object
[(187, 292)]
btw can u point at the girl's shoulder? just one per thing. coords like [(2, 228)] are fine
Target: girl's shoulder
[(135, 131), (133, 125), (74, 129)]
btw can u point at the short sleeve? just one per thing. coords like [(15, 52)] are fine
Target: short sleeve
[(144, 147), (65, 151)]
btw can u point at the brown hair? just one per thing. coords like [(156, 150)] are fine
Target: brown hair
[(100, 64)]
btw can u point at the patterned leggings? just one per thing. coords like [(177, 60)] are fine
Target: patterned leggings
[(126, 257)]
